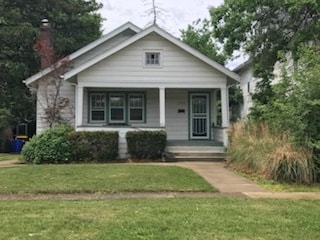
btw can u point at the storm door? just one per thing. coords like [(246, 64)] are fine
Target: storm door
[(199, 116)]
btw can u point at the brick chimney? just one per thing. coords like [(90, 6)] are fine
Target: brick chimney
[(45, 46)]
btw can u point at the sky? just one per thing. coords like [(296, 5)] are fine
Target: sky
[(176, 15)]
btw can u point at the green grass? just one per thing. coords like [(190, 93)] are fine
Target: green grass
[(9, 156), (75, 178), (182, 218), (275, 186), (287, 187)]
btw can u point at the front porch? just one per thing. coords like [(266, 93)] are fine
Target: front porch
[(189, 116)]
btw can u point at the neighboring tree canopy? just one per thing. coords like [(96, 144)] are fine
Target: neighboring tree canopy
[(75, 24), (199, 36), (295, 108), (263, 28)]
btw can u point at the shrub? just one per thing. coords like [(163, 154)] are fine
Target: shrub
[(52, 146), (255, 148), (146, 144), (97, 146)]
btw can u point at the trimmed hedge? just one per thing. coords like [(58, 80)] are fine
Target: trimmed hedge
[(97, 146), (146, 144), (63, 145), (52, 146)]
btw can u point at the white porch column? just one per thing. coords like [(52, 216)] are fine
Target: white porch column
[(225, 114), (162, 106), (79, 106), (215, 107)]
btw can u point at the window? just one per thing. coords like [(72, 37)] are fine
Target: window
[(120, 108), (152, 58), (98, 106), (136, 107), (117, 108)]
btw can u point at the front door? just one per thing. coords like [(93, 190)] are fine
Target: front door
[(199, 116)]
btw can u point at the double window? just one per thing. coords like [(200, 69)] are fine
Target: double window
[(117, 107)]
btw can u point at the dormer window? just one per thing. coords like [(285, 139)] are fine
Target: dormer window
[(152, 58)]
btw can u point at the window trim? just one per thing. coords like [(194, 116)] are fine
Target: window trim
[(91, 108), (144, 59), (124, 108), (143, 108)]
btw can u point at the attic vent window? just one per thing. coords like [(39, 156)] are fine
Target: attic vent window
[(152, 59)]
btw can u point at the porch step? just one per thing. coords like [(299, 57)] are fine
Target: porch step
[(194, 153)]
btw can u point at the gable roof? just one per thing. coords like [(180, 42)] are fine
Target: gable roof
[(139, 35), (84, 50), (163, 34)]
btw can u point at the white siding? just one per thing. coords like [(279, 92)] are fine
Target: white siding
[(248, 82), (127, 66), (218, 134), (43, 101), (248, 87), (177, 123), (107, 45)]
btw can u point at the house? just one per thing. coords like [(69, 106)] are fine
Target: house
[(248, 83), (141, 79)]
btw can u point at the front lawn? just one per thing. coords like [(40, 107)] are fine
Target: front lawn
[(275, 186), (88, 178), (181, 218), (9, 156)]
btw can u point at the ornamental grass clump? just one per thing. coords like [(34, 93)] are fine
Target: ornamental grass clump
[(286, 164), (255, 148)]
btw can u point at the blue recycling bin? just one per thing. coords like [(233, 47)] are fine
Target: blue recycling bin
[(16, 146)]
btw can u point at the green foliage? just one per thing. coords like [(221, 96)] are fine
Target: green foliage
[(94, 146), (295, 108), (52, 146), (19, 28), (4, 119), (258, 149), (146, 144), (262, 28), (199, 36)]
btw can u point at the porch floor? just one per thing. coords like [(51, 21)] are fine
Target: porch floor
[(204, 143)]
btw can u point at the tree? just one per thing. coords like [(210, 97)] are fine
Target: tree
[(75, 24), (263, 28), (296, 108), (57, 109), (155, 11), (199, 36)]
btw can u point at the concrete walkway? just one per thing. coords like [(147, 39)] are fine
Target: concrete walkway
[(221, 178), (227, 182)]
